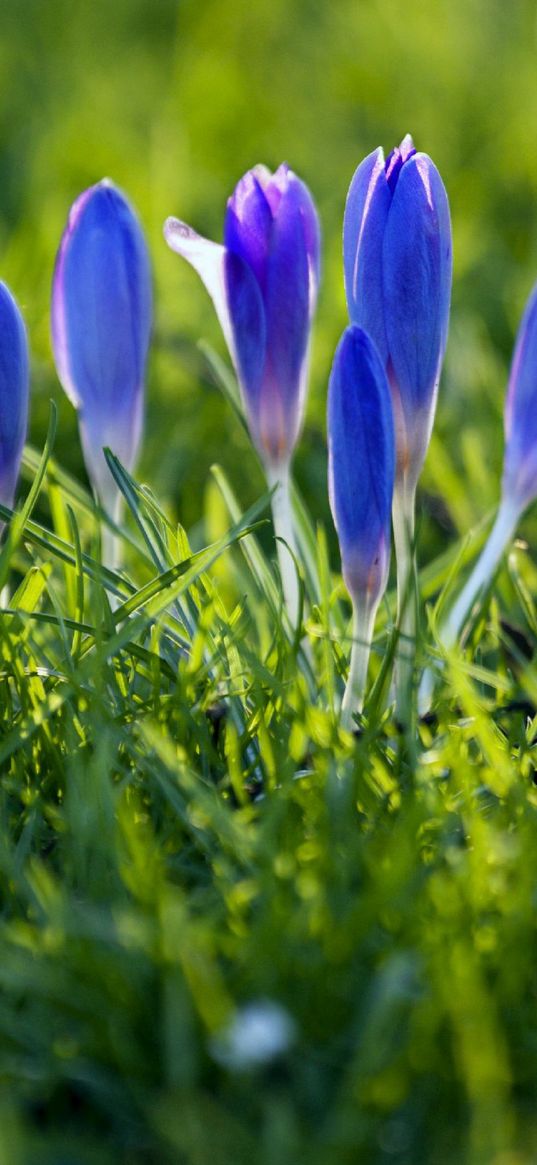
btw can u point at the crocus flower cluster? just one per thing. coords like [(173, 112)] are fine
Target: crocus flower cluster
[(397, 263), (263, 280)]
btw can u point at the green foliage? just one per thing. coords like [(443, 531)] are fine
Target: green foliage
[(183, 828)]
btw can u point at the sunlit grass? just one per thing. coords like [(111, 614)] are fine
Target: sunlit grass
[(185, 830)]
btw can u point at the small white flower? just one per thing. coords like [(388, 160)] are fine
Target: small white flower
[(258, 1033)]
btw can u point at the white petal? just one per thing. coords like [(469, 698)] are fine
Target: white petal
[(207, 258)]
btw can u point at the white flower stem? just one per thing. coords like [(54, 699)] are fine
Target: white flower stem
[(363, 622), (404, 504), (499, 537), (279, 480), (110, 543)]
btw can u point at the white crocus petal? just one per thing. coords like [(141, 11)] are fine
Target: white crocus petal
[(258, 1033), (207, 258)]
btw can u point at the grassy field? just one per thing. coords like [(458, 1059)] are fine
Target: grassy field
[(190, 848)]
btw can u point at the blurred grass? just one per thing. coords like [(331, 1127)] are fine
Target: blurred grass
[(160, 862)]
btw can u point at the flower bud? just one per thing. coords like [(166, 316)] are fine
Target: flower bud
[(263, 283), (101, 323), (361, 464), (520, 414), (14, 390), (398, 266)]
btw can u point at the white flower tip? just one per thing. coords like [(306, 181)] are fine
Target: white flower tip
[(257, 1034), (178, 233)]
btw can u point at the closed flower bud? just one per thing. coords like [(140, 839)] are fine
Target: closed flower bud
[(520, 414), (101, 323), (263, 282), (361, 467), (14, 389), (398, 265)]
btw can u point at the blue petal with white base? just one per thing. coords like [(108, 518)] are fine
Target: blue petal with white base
[(361, 453), (101, 324)]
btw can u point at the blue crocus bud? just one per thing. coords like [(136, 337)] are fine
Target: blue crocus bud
[(398, 266), (361, 469), (520, 414), (101, 323), (14, 390), (263, 283)]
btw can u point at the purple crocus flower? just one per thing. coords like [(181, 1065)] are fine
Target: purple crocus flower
[(101, 323), (263, 282), (14, 391), (361, 468), (398, 265)]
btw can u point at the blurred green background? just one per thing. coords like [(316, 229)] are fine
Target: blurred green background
[(175, 100)]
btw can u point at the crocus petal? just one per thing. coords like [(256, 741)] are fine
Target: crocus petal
[(366, 216), (14, 386), (101, 322), (361, 449), (208, 259), (312, 236), (417, 265), (248, 337), (58, 313), (236, 295), (397, 159), (520, 416), (276, 185), (407, 148), (287, 314), (248, 224)]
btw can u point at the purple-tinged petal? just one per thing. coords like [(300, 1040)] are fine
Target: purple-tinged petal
[(520, 415), (248, 338), (14, 388), (417, 267), (101, 323), (312, 235), (236, 296), (58, 313), (397, 159), (248, 225), (361, 451), (366, 216), (287, 315), (407, 148), (276, 186), (392, 168)]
